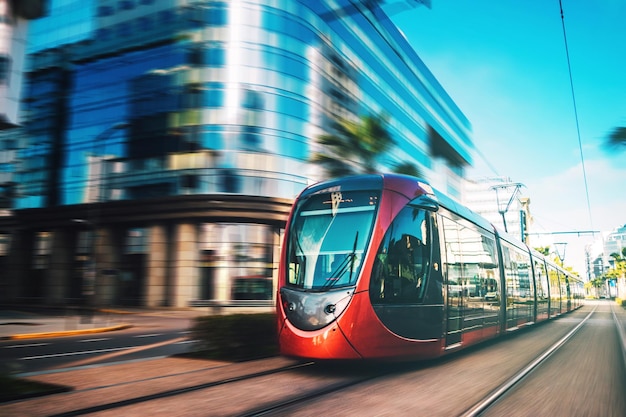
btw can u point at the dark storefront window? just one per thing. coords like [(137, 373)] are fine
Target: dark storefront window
[(236, 262), (133, 270)]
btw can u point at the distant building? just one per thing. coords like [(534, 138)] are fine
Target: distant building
[(14, 19), (480, 196), (615, 241), (600, 261), (163, 142)]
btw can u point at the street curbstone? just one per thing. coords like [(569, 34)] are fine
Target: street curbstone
[(42, 335)]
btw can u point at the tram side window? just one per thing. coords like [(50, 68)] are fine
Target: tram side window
[(400, 270), (517, 269), (471, 263), (541, 283), (555, 290)]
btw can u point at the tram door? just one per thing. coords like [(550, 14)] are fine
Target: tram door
[(451, 257)]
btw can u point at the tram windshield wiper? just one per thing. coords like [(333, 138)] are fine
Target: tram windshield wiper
[(341, 269)]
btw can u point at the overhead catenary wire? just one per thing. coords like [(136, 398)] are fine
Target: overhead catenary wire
[(580, 144)]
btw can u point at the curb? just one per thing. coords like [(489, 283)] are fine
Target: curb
[(67, 332)]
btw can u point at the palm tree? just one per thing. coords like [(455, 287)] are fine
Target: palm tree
[(617, 138), (356, 146), (407, 168), (618, 272)]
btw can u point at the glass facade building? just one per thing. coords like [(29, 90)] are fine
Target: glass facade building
[(163, 141)]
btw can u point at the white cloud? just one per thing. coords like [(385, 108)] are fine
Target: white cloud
[(559, 204), (562, 202)]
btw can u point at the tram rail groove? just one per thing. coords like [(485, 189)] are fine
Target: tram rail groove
[(500, 392), (284, 405), (621, 333), (178, 391)]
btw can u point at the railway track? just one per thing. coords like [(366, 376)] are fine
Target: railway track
[(492, 379), (325, 378), (501, 391), (514, 396), (180, 391)]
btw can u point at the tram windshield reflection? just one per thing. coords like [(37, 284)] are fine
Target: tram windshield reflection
[(328, 239)]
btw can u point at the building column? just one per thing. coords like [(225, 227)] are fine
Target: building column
[(107, 248), (185, 260), (57, 278), (157, 267), (18, 265)]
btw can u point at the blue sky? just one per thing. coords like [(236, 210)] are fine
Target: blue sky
[(504, 63)]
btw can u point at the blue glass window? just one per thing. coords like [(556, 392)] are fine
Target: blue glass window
[(215, 56), (124, 29), (252, 100), (5, 69), (103, 34), (104, 11), (166, 16), (213, 96), (216, 15), (212, 140), (144, 23), (126, 5), (146, 1)]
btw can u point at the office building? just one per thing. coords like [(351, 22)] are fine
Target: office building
[(163, 141)]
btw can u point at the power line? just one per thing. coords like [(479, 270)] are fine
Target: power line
[(580, 144)]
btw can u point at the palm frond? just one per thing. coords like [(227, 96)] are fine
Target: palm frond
[(407, 168), (617, 137)]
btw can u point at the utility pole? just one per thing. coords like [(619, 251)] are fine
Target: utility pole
[(501, 199)]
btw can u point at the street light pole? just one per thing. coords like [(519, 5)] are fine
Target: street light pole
[(560, 251)]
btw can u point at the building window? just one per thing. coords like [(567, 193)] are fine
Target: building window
[(238, 257), (216, 15), (213, 97), (124, 29), (136, 241), (144, 23), (103, 34), (104, 11), (215, 56), (5, 69), (126, 5), (43, 249), (229, 181), (166, 16), (195, 56), (5, 243)]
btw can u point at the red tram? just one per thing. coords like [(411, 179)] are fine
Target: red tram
[(382, 266)]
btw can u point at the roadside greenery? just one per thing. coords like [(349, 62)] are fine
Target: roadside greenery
[(236, 337), (617, 138)]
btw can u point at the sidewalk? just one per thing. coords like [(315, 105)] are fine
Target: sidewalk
[(16, 325)]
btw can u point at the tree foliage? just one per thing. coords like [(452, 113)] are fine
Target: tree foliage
[(617, 138), (356, 147)]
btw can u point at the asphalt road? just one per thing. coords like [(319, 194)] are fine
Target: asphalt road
[(148, 338)]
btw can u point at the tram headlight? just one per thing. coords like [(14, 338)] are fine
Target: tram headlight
[(314, 310)]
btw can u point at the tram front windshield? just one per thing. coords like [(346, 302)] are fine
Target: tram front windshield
[(328, 237)]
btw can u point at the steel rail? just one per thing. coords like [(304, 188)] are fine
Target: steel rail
[(621, 334), (177, 391), (483, 405)]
